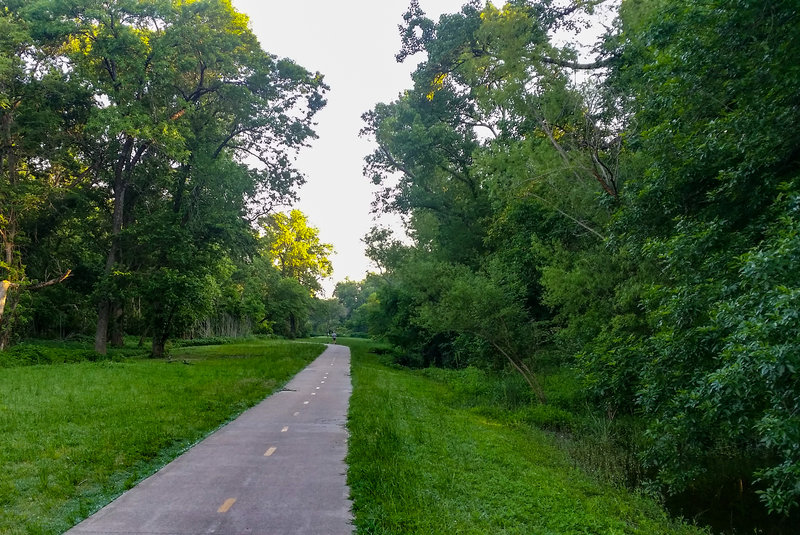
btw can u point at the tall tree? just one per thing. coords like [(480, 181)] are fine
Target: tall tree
[(492, 132), (41, 113), (181, 85), (714, 92)]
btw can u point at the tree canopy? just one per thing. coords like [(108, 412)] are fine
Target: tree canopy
[(143, 140)]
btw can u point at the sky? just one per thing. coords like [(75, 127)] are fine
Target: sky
[(353, 45)]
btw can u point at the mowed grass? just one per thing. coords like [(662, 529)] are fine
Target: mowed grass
[(418, 464), (73, 436)]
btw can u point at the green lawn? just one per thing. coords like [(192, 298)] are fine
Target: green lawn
[(73, 436), (419, 464)]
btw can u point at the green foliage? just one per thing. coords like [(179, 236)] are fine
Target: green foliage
[(644, 220), (32, 354), (295, 249), (713, 132), (124, 139), (326, 315)]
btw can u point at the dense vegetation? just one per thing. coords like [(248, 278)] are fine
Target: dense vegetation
[(74, 436), (640, 219), (145, 149)]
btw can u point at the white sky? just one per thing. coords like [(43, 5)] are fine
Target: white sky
[(353, 44)]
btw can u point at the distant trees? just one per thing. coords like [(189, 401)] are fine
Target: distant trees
[(641, 219), (295, 249)]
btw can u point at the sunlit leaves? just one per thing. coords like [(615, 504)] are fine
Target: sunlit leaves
[(295, 249)]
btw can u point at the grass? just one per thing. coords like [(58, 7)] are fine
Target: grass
[(421, 462), (74, 436)]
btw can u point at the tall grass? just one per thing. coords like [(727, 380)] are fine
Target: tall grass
[(421, 463), (73, 436)]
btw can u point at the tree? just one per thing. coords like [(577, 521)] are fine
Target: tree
[(493, 132), (713, 94), (326, 315), (184, 88), (296, 250), (357, 299), (41, 111)]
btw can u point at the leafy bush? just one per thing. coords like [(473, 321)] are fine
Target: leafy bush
[(546, 417), (30, 355), (209, 341)]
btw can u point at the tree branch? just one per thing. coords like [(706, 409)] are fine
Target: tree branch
[(600, 63), (51, 282)]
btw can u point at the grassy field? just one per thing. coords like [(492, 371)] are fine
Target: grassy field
[(420, 463), (73, 436)]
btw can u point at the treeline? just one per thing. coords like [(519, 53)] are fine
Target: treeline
[(145, 149), (641, 217)]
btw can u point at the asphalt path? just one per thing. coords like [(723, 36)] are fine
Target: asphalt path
[(277, 469)]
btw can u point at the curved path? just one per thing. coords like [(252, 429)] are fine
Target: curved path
[(277, 469)]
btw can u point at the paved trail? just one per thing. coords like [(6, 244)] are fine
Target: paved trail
[(277, 469)]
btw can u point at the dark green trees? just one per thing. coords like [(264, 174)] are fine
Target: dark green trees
[(712, 209), (643, 219)]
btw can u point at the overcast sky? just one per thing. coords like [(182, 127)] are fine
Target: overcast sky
[(353, 44)]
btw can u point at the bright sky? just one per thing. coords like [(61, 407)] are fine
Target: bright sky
[(353, 44)]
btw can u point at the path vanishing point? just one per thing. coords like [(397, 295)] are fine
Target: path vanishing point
[(277, 469)]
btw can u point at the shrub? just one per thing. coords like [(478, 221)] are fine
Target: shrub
[(31, 355)]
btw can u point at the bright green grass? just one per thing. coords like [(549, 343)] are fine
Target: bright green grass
[(73, 436), (420, 465)]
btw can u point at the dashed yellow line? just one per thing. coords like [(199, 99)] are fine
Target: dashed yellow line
[(227, 505), (270, 451)]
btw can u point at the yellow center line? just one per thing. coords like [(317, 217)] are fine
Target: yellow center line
[(227, 505), (270, 451)]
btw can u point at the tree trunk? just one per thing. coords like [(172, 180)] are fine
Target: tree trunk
[(101, 334), (143, 336), (118, 326), (7, 319), (161, 329), (158, 347), (4, 288), (120, 188), (8, 303)]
